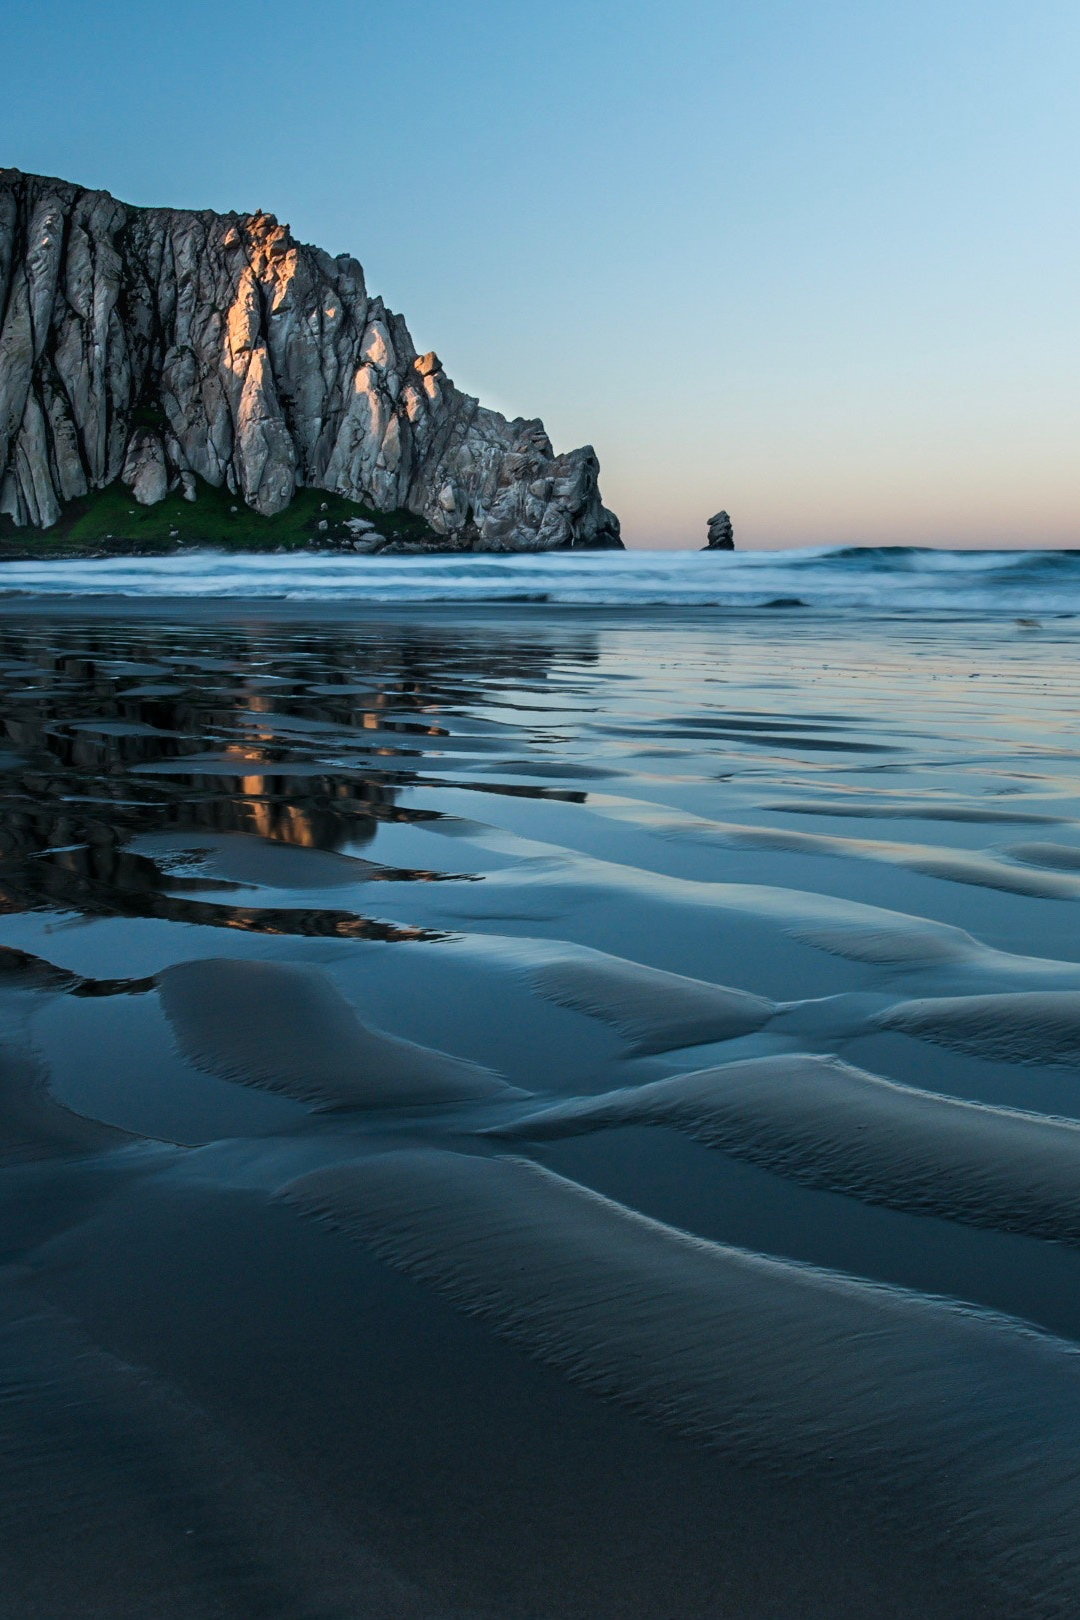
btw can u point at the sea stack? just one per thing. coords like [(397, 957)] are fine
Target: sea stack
[(721, 537), (166, 352)]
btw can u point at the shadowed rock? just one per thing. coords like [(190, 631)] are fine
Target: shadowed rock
[(721, 535)]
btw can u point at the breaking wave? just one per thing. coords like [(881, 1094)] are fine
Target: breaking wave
[(893, 579)]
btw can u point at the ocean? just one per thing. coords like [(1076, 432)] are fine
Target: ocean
[(540, 1088), (887, 580)]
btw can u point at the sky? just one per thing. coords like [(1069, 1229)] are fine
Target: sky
[(814, 261)]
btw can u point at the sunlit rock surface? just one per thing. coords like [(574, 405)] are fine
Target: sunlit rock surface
[(159, 345)]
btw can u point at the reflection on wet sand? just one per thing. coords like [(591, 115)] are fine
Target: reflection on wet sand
[(481, 1122), (106, 754)]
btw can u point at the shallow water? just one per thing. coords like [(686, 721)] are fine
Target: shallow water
[(486, 1117)]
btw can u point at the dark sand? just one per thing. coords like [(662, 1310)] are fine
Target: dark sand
[(537, 1116)]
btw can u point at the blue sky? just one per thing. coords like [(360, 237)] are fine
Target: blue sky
[(817, 261)]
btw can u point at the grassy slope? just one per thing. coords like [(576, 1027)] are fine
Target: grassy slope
[(110, 522)]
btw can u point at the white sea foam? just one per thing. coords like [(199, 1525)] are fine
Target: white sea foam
[(889, 580)]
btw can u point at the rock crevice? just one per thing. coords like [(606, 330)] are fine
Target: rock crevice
[(158, 346)]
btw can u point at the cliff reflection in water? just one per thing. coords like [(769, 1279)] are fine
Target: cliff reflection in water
[(301, 739)]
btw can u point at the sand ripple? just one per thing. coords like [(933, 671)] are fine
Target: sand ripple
[(289, 1030), (823, 1123), (654, 1011), (959, 1416), (1030, 1026)]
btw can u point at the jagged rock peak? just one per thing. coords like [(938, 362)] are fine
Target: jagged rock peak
[(158, 345), (721, 535)]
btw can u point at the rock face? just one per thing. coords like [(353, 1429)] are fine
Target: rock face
[(721, 537), (154, 345)]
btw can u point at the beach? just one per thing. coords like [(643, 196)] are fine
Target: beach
[(539, 1105)]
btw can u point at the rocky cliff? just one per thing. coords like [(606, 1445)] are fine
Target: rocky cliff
[(171, 350)]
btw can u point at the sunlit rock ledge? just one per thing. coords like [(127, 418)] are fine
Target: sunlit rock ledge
[(170, 376)]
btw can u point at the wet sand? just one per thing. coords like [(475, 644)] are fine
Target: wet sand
[(528, 1114)]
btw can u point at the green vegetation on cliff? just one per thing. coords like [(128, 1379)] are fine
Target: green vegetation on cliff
[(109, 522)]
